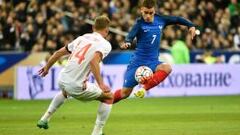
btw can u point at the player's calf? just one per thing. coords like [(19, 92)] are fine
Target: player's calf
[(157, 77), (121, 94)]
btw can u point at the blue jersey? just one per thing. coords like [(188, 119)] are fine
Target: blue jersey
[(148, 35)]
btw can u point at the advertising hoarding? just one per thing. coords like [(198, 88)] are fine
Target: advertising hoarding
[(185, 80)]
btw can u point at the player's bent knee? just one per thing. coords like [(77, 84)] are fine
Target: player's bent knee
[(168, 68), (165, 67)]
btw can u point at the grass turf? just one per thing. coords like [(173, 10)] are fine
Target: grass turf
[(218, 115)]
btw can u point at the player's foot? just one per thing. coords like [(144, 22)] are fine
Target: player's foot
[(99, 134), (97, 131), (140, 93), (42, 124)]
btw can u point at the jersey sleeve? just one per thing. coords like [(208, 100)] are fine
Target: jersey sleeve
[(133, 32), (170, 20), (104, 49)]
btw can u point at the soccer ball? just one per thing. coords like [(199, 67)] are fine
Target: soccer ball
[(142, 73)]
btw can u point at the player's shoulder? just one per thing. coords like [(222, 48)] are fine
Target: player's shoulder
[(104, 47), (78, 38), (105, 41), (139, 20), (107, 44), (161, 17), (166, 17), (104, 44)]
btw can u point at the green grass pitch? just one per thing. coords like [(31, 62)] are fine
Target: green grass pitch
[(218, 115)]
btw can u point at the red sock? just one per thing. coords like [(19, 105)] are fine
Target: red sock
[(117, 96), (157, 77)]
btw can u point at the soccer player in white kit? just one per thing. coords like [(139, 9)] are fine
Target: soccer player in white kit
[(87, 51)]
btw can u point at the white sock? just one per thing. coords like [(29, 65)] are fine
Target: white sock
[(57, 101), (102, 116)]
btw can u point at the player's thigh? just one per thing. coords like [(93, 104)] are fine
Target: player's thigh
[(129, 78), (92, 92), (63, 89)]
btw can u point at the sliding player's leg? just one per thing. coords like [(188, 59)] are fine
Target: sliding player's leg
[(160, 74), (128, 85), (121, 94)]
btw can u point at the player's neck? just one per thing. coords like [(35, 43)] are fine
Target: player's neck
[(151, 21), (101, 33)]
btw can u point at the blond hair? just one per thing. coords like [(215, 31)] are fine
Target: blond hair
[(101, 22)]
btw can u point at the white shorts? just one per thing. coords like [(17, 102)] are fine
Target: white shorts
[(92, 91)]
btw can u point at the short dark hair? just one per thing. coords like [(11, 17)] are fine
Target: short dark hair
[(101, 22), (149, 3)]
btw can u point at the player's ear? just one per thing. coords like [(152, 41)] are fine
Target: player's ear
[(154, 11), (106, 31)]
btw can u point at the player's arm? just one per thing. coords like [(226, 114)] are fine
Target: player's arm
[(56, 56), (170, 20), (131, 35), (95, 68)]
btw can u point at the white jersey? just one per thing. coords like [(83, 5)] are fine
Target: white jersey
[(82, 49)]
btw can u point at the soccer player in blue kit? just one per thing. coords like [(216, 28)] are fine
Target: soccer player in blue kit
[(147, 30)]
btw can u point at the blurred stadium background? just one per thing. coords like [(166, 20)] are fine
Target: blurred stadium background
[(201, 97)]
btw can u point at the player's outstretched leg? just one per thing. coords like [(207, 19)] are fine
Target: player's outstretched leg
[(121, 94), (157, 78), (117, 96), (57, 101)]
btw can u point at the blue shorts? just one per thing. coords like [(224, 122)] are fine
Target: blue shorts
[(129, 77)]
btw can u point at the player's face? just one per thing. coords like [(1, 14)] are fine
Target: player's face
[(148, 14)]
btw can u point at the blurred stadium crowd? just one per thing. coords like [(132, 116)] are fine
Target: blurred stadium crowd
[(46, 25)]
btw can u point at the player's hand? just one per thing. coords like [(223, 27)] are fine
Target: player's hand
[(104, 88), (43, 71), (192, 31), (125, 45)]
